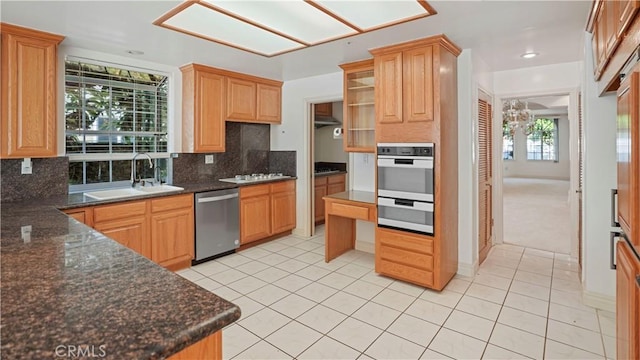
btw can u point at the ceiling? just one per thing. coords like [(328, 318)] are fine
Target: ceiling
[(497, 31)]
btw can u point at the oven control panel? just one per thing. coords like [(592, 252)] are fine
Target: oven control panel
[(426, 150)]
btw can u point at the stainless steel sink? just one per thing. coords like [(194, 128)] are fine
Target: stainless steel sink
[(130, 192)]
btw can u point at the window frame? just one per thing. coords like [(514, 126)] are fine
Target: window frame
[(83, 157), (556, 139)]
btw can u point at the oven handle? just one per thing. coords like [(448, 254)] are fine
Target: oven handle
[(404, 204), (416, 164)]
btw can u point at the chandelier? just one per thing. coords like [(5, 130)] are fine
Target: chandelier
[(516, 115)]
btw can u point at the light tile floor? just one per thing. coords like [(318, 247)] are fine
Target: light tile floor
[(523, 303)]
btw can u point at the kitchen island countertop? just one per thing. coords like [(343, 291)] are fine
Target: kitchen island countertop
[(66, 286)]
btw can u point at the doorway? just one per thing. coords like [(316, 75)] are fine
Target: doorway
[(537, 172), (328, 160)]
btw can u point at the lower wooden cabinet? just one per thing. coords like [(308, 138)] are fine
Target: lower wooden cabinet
[(207, 348), (627, 303), (161, 229), (405, 256), (172, 231), (266, 210), (326, 185)]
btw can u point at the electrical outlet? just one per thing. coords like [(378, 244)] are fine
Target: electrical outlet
[(26, 233), (27, 167), (208, 159)]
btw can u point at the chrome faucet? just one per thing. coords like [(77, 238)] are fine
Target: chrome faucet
[(133, 167)]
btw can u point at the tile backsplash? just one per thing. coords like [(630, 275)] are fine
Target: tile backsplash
[(246, 152), (49, 178)]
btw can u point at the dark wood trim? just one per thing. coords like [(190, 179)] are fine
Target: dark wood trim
[(441, 40), (324, 10), (171, 13), (32, 33), (232, 74), (357, 64), (427, 7), (593, 14)]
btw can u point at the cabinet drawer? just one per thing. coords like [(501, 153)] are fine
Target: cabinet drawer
[(283, 186), (406, 257), (172, 202), (410, 242), (335, 179), (349, 211), (403, 272), (119, 211), (254, 190), (320, 181)]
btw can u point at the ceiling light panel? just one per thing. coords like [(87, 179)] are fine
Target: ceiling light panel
[(373, 14), (200, 20), (296, 19)]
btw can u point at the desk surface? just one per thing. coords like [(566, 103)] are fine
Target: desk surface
[(359, 196)]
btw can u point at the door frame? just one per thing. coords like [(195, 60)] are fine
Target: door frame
[(572, 113), (310, 136)]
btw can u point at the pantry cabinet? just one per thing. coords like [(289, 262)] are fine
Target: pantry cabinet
[(628, 154), (358, 107), (267, 210), (416, 102), (627, 302), (203, 109), (28, 82)]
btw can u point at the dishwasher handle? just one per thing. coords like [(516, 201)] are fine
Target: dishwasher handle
[(217, 198)]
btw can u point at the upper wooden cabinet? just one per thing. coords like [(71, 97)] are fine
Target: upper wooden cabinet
[(359, 109), (29, 86), (251, 99), (628, 154), (203, 109), (406, 97), (324, 109), (610, 21)]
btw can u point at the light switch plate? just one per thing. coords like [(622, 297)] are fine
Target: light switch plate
[(208, 159)]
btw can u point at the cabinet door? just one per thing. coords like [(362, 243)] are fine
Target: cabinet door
[(319, 192), (628, 154), (241, 99), (388, 88), (627, 303), (599, 32), (255, 218), (417, 84), (172, 238), (269, 103), (83, 215), (283, 212), (626, 11), (130, 232), (29, 89), (210, 107), (324, 109), (336, 184), (611, 12)]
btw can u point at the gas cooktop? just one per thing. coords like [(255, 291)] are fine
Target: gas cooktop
[(243, 179)]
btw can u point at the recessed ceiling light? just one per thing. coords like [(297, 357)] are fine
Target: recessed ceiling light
[(529, 55), (135, 52)]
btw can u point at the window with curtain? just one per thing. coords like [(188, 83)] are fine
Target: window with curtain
[(507, 142), (111, 113), (542, 143)]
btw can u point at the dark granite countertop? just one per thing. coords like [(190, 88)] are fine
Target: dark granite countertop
[(329, 173), (68, 285)]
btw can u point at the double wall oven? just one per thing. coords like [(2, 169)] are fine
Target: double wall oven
[(406, 186)]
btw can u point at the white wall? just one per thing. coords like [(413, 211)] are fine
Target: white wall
[(294, 132), (326, 148), (521, 167), (538, 79), (599, 178)]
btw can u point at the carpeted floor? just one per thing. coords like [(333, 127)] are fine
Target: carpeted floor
[(536, 214)]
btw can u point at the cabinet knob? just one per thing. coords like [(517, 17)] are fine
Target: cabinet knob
[(638, 280)]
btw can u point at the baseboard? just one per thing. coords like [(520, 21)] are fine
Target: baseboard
[(366, 246), (469, 270), (599, 301)]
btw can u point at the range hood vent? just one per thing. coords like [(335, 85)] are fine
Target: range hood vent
[(321, 121)]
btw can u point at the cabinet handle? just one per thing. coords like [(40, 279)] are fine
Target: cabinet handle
[(614, 194), (612, 241), (638, 280)]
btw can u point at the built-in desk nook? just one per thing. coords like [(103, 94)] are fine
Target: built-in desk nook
[(341, 212)]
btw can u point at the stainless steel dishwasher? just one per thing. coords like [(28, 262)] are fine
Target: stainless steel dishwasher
[(217, 224)]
